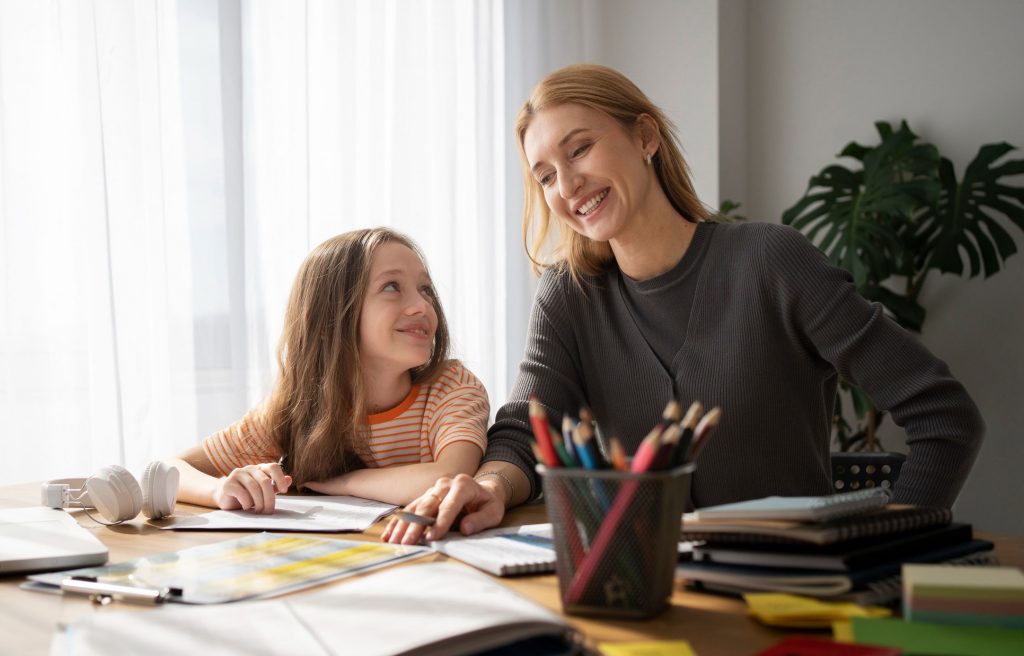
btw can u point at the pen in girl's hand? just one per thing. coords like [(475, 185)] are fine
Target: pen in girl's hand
[(413, 518), (282, 462)]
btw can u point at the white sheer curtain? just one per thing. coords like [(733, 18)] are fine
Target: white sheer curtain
[(361, 113), (165, 166), (96, 345)]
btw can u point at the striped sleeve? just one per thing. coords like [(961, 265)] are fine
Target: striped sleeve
[(460, 411), (245, 442)]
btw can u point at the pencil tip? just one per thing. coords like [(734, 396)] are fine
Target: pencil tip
[(672, 411), (693, 414)]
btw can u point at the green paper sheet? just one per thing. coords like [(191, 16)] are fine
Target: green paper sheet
[(938, 639)]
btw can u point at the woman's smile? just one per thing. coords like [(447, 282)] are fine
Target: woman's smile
[(591, 205)]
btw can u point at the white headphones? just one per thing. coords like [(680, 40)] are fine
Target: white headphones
[(115, 493)]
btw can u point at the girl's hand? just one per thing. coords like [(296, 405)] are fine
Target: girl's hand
[(253, 487), (446, 500)]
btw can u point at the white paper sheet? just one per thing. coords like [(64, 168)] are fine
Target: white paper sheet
[(313, 513)]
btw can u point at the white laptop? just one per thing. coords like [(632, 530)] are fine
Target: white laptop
[(34, 539)]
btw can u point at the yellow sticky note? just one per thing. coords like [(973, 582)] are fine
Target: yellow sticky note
[(795, 611), (647, 648), (842, 631)]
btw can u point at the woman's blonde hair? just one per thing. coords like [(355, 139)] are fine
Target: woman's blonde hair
[(318, 406), (610, 92)]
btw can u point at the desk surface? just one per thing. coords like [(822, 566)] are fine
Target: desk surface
[(711, 624)]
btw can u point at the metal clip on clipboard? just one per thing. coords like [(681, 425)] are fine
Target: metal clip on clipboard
[(104, 593)]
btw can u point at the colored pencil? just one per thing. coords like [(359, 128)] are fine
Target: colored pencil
[(703, 431), (542, 433), (673, 411), (688, 424), (618, 455)]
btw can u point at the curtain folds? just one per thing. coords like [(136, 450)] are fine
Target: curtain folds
[(164, 167)]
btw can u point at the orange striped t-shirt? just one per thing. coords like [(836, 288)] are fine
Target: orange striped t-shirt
[(453, 408)]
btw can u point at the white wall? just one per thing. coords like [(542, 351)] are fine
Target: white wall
[(669, 48), (766, 92)]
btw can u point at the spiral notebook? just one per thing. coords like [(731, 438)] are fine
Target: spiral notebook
[(885, 521), (507, 551), (806, 509)]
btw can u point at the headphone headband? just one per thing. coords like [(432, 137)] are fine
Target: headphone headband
[(115, 493)]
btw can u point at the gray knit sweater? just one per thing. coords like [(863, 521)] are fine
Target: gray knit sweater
[(771, 325)]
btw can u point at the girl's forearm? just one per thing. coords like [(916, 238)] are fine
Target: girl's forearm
[(194, 486), (397, 485)]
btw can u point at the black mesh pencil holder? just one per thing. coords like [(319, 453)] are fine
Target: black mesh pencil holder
[(616, 538)]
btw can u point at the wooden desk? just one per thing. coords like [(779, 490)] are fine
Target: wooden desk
[(712, 624)]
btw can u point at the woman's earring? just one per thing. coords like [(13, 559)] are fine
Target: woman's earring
[(648, 159)]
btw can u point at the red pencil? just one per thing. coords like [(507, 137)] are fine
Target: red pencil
[(541, 432)]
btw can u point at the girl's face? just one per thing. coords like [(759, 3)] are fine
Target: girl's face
[(590, 168), (398, 322)]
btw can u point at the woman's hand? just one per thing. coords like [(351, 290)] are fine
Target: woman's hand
[(252, 487), (480, 504)]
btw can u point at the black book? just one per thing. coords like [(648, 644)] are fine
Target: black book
[(818, 583), (840, 557)]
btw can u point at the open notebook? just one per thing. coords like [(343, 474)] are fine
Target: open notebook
[(527, 549), (423, 609)]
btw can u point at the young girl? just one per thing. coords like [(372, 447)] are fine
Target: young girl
[(367, 403)]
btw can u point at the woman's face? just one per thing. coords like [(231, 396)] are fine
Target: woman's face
[(590, 168)]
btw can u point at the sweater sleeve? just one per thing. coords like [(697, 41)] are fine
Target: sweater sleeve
[(826, 315), (549, 369)]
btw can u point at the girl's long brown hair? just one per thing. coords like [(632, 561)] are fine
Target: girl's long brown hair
[(612, 93), (318, 407)]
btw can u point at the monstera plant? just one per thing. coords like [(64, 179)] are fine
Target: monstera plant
[(895, 219)]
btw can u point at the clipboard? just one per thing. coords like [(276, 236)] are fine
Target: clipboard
[(260, 565)]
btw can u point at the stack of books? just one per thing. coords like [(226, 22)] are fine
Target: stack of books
[(847, 546), (988, 596)]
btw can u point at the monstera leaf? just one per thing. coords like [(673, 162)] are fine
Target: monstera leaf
[(858, 217), (964, 223), (900, 216)]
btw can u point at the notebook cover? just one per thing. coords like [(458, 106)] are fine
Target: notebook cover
[(813, 582), (843, 556), (816, 508)]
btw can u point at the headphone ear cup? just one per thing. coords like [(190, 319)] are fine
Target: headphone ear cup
[(159, 490), (115, 493)]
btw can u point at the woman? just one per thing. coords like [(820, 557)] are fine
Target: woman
[(649, 300)]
